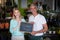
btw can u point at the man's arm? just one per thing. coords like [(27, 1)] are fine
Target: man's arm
[(45, 28)]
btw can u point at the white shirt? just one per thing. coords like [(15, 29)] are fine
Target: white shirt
[(38, 20)]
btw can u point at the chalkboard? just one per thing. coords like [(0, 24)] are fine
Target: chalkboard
[(26, 27)]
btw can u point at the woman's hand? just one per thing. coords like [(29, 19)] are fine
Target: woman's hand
[(17, 26)]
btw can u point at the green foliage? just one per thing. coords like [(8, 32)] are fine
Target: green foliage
[(8, 15), (29, 1), (22, 12), (22, 9)]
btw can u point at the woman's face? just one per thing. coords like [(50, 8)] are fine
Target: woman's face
[(16, 13)]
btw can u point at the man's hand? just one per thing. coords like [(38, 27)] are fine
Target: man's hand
[(31, 22), (33, 33)]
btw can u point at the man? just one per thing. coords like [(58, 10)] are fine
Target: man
[(39, 24)]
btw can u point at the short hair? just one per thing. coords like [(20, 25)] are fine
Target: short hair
[(33, 5), (15, 8)]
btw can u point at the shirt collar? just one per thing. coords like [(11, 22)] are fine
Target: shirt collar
[(36, 15)]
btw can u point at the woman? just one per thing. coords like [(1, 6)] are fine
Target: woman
[(15, 25)]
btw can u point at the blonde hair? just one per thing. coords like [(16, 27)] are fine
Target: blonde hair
[(14, 9)]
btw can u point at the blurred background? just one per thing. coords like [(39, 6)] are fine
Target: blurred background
[(49, 8)]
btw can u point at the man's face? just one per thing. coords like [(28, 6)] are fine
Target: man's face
[(33, 8)]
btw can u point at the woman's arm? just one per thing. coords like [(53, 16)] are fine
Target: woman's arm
[(11, 26)]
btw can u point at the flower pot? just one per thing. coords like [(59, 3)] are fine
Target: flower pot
[(2, 25), (6, 25)]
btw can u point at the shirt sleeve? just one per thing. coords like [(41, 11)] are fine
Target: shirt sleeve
[(23, 20), (43, 20), (11, 26), (30, 19)]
